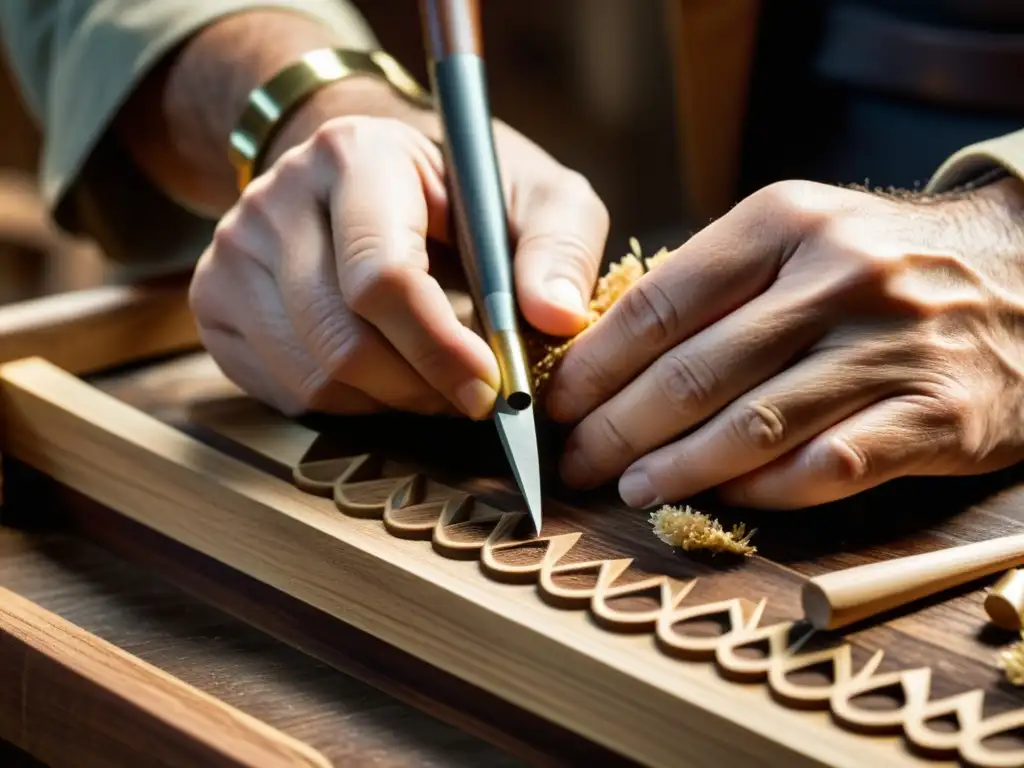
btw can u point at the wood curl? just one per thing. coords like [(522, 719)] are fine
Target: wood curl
[(459, 527)]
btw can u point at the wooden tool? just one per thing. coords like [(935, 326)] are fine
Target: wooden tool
[(112, 709), (841, 598)]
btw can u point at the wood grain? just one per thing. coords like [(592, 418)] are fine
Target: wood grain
[(613, 690), (949, 634), (71, 699), (89, 330), (240, 662), (254, 648)]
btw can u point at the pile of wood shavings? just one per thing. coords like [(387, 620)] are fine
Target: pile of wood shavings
[(689, 529), (1012, 662), (545, 352)]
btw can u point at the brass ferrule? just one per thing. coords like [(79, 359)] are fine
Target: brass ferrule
[(515, 374)]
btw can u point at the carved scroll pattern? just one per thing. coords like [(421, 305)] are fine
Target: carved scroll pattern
[(418, 508)]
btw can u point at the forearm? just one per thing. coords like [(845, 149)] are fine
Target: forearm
[(177, 123)]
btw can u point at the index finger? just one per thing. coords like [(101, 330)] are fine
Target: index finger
[(390, 197), (718, 270)]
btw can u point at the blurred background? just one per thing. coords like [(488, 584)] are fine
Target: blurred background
[(674, 109), (588, 80)]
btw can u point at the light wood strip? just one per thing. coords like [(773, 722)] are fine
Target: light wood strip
[(89, 330), (71, 699)]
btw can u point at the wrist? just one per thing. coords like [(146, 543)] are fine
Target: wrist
[(988, 223), (358, 95)]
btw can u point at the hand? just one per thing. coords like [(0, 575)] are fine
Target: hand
[(810, 344), (319, 290)]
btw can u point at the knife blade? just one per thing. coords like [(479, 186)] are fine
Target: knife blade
[(518, 432)]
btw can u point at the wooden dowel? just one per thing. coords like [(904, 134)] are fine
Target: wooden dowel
[(1004, 603), (70, 698), (841, 598)]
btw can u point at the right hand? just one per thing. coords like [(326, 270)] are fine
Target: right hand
[(317, 292)]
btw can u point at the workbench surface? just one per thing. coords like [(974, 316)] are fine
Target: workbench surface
[(350, 722)]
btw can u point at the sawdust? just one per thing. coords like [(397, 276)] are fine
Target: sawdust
[(688, 529), (1012, 663)]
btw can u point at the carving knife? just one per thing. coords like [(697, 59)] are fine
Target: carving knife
[(454, 48)]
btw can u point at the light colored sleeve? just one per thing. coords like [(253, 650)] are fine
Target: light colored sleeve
[(968, 164), (77, 62)]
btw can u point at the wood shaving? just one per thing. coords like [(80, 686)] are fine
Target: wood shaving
[(1012, 662), (545, 352), (690, 530)]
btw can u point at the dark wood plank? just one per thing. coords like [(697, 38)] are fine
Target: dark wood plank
[(350, 722), (949, 633), (394, 727)]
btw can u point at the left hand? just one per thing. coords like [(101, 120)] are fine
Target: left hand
[(811, 344)]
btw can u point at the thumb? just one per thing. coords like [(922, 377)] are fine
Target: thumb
[(560, 237)]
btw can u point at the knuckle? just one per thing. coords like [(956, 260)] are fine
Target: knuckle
[(228, 234), (760, 425), (340, 139), (785, 195), (433, 359), (584, 373), (647, 314), (258, 196), (849, 463), (611, 437), (368, 287), (291, 168), (796, 202), (686, 381)]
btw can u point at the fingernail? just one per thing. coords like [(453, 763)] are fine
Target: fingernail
[(563, 291), (636, 490), (475, 398), (575, 469)]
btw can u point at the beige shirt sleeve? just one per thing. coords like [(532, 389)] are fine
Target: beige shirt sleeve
[(76, 62), (969, 163)]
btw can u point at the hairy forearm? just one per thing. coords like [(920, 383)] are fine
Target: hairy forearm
[(178, 122)]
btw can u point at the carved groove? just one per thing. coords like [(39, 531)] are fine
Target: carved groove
[(416, 507)]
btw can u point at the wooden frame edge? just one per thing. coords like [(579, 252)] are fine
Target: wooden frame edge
[(65, 677)]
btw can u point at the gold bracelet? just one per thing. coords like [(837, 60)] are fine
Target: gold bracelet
[(271, 102)]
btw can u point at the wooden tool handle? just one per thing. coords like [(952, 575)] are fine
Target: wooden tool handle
[(451, 27), (841, 598)]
